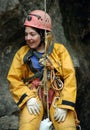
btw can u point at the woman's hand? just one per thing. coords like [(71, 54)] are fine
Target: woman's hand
[(60, 114), (33, 106)]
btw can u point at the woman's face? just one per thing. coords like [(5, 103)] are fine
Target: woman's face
[(32, 37)]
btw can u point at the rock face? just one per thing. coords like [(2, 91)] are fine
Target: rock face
[(71, 26)]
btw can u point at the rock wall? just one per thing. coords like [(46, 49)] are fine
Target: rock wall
[(70, 26), (76, 23)]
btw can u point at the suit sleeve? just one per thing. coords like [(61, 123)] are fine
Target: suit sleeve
[(20, 92), (68, 94)]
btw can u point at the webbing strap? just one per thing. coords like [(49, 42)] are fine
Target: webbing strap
[(38, 75)]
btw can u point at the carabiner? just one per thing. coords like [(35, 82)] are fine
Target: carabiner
[(79, 127)]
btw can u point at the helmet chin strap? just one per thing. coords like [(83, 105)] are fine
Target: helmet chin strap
[(41, 44)]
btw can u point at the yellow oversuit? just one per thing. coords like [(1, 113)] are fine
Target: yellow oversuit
[(20, 69)]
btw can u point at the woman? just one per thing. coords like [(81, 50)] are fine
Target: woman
[(41, 64)]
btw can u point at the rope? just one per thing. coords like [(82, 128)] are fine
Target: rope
[(45, 68)]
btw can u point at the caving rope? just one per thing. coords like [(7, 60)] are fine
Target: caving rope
[(45, 96), (45, 82)]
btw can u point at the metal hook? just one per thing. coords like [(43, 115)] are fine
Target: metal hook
[(79, 127)]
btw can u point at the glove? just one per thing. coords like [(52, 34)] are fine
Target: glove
[(33, 106), (60, 114), (45, 124)]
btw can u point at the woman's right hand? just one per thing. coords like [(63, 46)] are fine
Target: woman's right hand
[(33, 106)]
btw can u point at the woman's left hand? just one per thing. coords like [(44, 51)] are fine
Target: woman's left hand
[(60, 114)]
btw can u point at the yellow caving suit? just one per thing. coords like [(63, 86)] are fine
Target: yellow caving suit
[(21, 93)]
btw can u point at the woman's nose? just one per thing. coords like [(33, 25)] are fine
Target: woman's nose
[(28, 37)]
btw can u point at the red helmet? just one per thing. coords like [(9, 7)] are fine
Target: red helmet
[(38, 19)]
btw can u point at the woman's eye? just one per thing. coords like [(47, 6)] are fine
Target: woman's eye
[(33, 34)]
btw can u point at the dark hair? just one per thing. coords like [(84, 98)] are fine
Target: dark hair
[(41, 32)]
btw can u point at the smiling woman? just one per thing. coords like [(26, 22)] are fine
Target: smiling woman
[(43, 84), (33, 38)]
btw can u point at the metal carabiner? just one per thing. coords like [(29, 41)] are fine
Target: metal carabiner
[(53, 104), (79, 127)]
